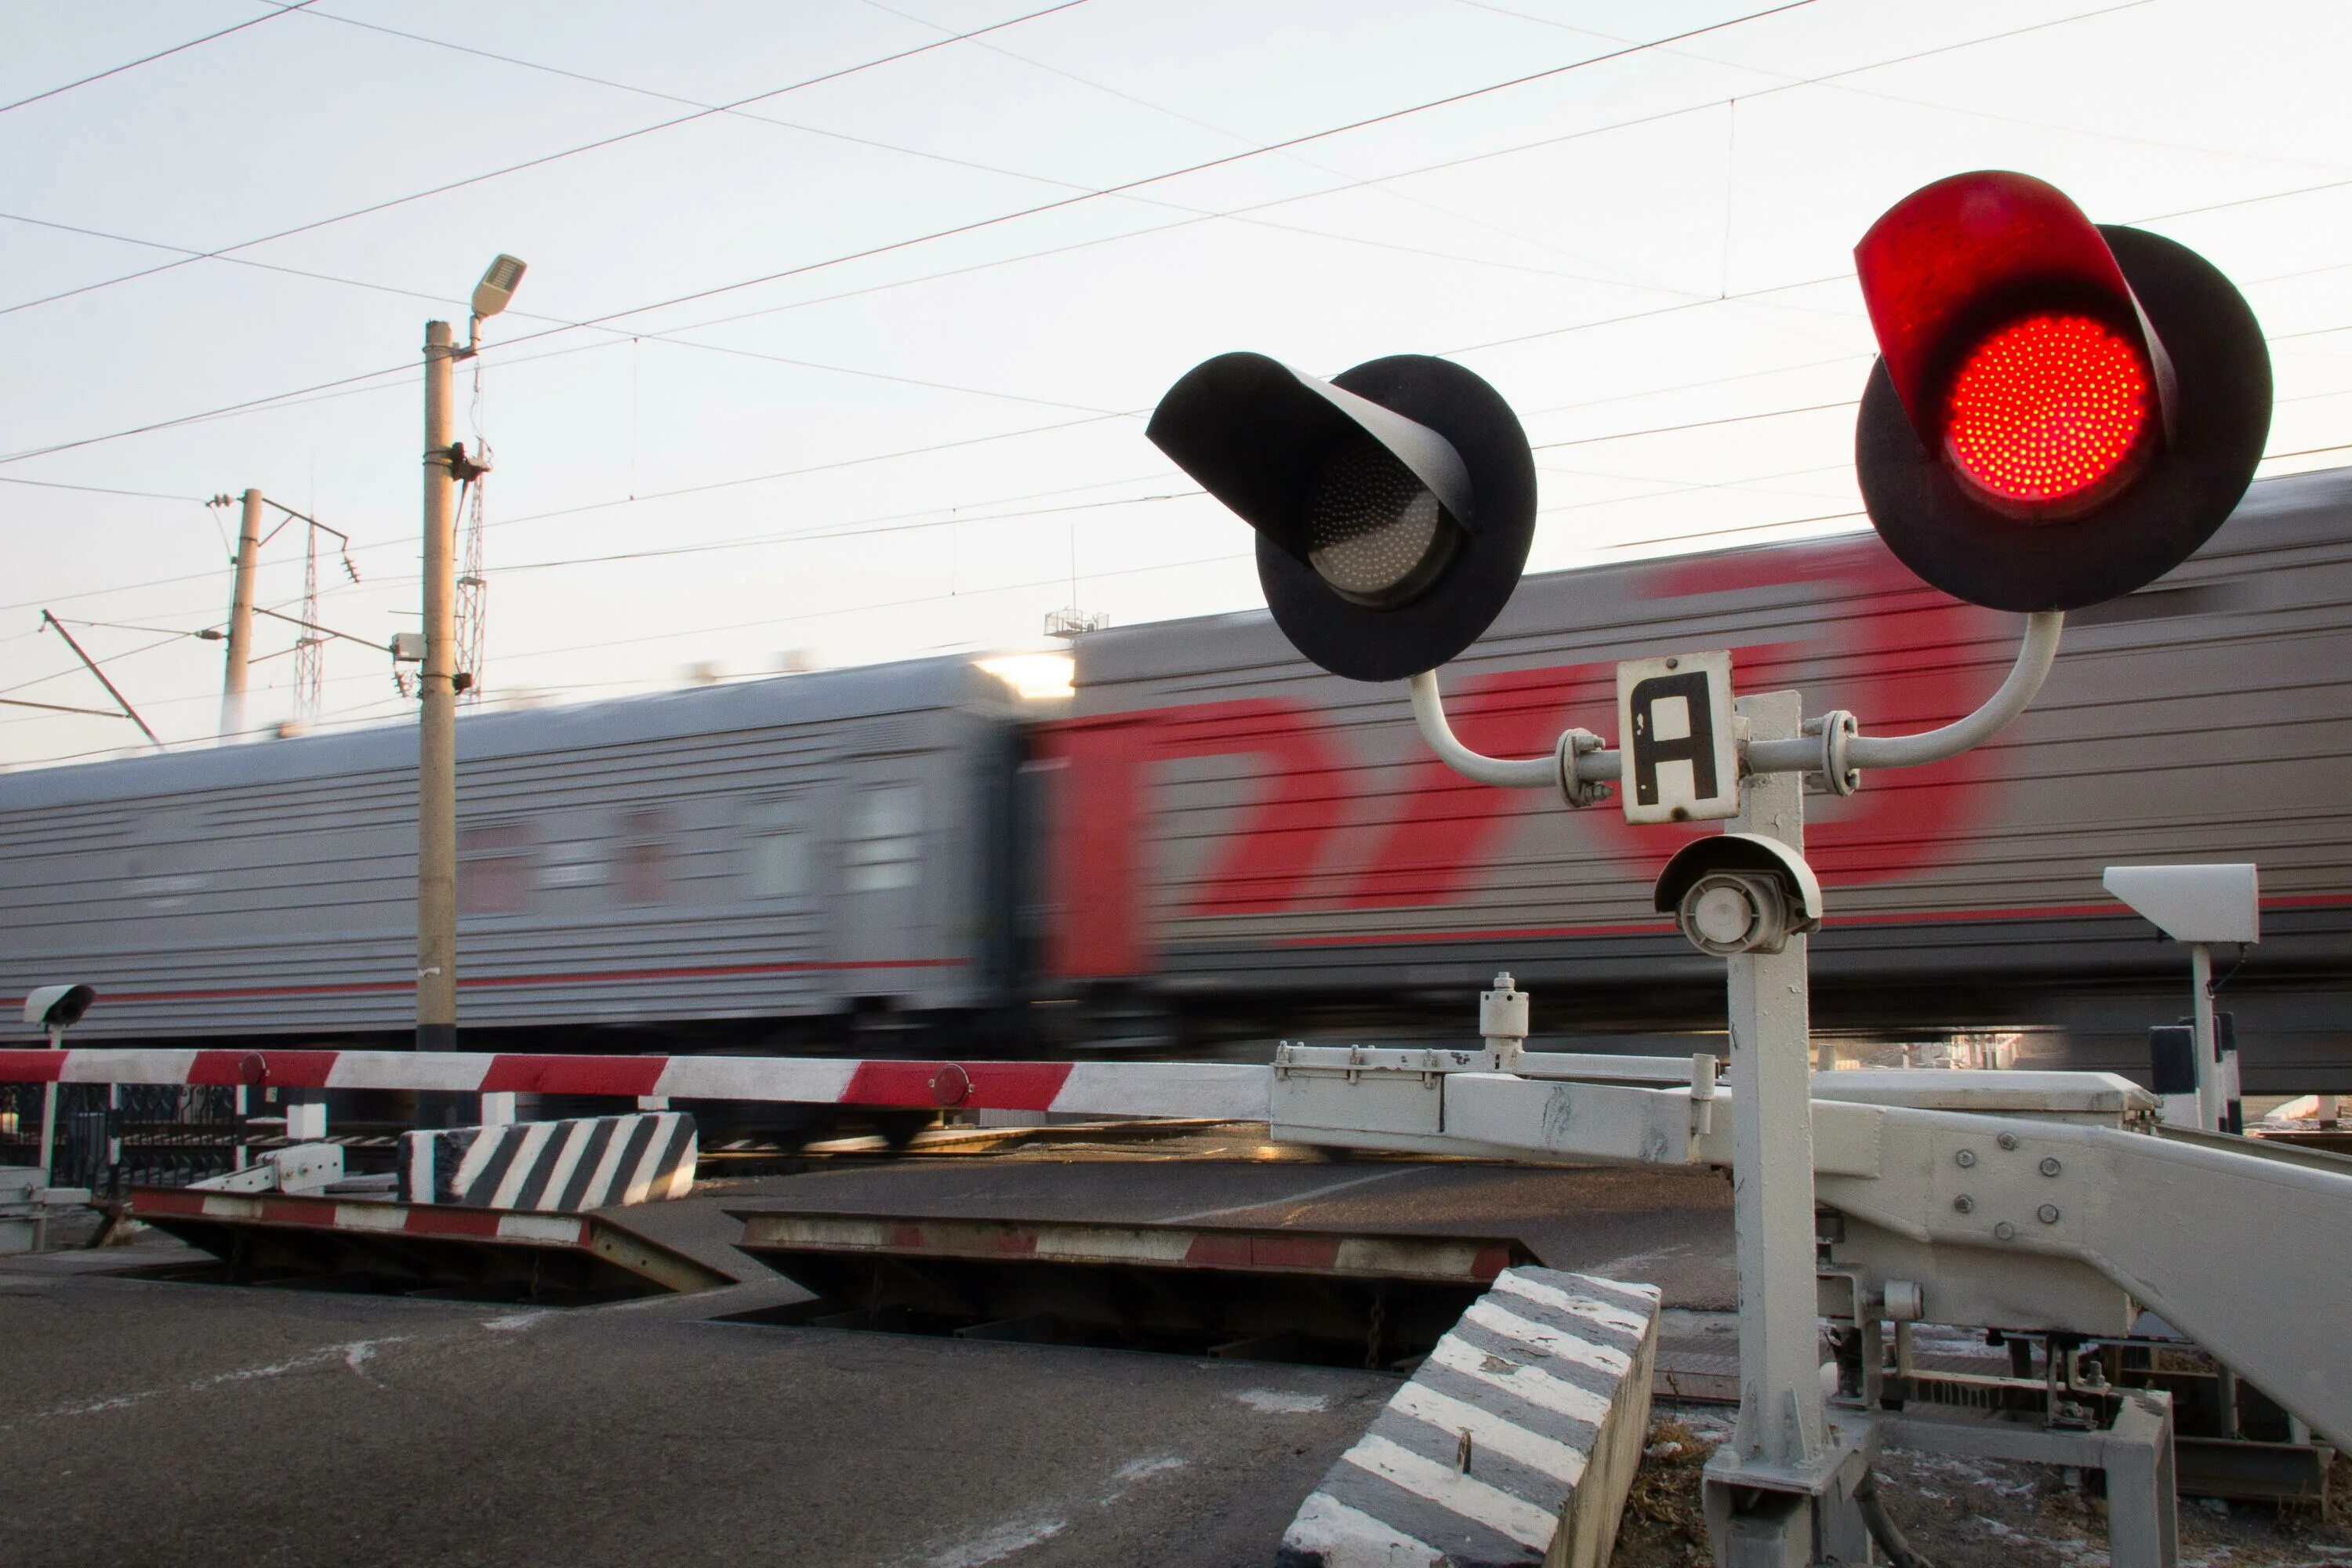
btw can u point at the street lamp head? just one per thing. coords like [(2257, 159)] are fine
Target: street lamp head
[(496, 291)]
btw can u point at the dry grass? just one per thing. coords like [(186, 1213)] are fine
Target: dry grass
[(1663, 1525)]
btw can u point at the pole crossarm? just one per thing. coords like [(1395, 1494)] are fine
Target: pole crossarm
[(1582, 762), (323, 631), (112, 689)]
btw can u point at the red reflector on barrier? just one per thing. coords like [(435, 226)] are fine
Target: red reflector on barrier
[(2048, 408)]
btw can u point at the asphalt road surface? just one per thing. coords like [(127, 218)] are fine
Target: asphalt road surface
[(144, 1421)]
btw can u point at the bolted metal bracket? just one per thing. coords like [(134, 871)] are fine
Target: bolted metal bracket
[(1835, 775), (1577, 792)]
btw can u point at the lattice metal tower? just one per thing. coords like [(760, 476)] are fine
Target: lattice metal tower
[(310, 649), (473, 590)]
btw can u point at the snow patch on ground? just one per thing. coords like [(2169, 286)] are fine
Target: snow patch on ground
[(998, 1544), (1276, 1402), (513, 1322), (354, 1355), (1139, 1469)]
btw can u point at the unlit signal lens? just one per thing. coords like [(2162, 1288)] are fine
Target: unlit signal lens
[(2047, 408)]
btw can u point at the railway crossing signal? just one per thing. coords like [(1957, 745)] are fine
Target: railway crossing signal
[(2062, 411), (1393, 504)]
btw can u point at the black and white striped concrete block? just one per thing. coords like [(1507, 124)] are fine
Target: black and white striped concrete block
[(1513, 1445), (551, 1167)]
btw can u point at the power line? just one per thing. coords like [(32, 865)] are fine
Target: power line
[(1303, 162), (1069, 425), (150, 60), (829, 134), (1694, 425), (98, 489), (1239, 212), (1921, 102), (543, 158), (1200, 167)]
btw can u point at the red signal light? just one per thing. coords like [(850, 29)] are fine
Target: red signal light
[(2062, 411), (2049, 409)]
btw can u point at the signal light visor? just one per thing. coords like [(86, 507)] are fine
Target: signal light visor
[(2050, 413)]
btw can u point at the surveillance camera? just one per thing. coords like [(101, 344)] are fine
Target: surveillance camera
[(57, 1006), (1740, 892)]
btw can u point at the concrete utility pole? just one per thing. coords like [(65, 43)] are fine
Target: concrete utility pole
[(437, 742), (240, 619)]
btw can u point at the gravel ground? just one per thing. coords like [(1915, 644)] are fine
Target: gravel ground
[(1972, 1513)]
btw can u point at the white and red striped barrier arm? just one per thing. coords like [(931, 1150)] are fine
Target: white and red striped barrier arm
[(1223, 1090)]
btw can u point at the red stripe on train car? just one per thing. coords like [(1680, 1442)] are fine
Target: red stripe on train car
[(1835, 919), (276, 1070), (987, 1085), (1490, 1262), (483, 982), (31, 1067), (573, 1075)]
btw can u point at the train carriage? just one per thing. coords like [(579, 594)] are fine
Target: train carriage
[(731, 863), (1239, 831)]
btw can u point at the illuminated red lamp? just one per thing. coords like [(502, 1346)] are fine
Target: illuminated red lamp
[(2032, 371), (2048, 412)]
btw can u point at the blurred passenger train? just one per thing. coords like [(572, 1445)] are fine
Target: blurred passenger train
[(1213, 844)]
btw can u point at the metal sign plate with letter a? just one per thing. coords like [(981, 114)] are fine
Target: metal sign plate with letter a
[(1680, 760)]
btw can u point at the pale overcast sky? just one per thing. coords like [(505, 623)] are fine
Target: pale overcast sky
[(1649, 255)]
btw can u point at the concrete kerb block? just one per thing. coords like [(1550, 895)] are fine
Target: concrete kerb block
[(1513, 1446)]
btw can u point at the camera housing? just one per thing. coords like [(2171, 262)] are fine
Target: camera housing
[(57, 1006), (1739, 892)]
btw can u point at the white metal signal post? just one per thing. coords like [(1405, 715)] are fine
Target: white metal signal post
[(1748, 896)]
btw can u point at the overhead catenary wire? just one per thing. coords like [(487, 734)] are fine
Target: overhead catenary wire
[(405, 367), (314, 224), (158, 55), (869, 252), (1712, 422), (742, 480)]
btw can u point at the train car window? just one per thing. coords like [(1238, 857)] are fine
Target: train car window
[(886, 838), (640, 858), (494, 870), (779, 850)]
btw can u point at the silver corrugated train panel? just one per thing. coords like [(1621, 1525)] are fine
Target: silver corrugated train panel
[(1244, 814), (619, 862)]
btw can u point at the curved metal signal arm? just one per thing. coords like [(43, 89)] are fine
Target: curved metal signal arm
[(1580, 762)]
